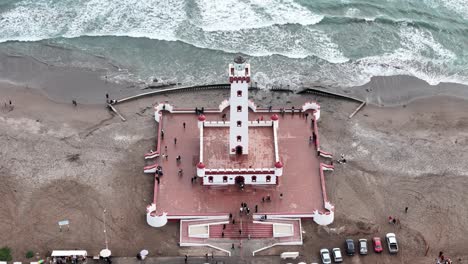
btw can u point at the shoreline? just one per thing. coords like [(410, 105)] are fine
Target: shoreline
[(89, 86)]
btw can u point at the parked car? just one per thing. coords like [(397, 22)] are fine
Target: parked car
[(349, 246), (325, 255), (363, 246), (392, 243), (337, 257), (377, 244)]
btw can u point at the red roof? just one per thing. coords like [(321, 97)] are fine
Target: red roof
[(279, 165), (201, 118), (200, 165)]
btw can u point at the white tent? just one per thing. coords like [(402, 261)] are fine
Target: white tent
[(67, 253)]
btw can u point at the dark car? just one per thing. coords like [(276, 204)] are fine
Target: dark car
[(349, 246)]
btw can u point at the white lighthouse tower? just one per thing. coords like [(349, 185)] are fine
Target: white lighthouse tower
[(239, 77)]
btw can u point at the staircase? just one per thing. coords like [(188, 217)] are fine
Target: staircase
[(248, 228)]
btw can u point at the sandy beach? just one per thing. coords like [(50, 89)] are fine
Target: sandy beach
[(63, 162)]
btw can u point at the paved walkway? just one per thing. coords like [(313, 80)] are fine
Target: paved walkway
[(199, 260)]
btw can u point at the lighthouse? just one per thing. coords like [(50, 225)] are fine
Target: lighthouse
[(239, 77)]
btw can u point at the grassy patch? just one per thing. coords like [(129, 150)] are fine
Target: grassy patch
[(5, 254)]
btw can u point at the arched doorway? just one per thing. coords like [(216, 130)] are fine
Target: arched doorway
[(239, 150), (239, 180)]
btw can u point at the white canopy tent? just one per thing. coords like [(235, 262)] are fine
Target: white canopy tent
[(67, 253)]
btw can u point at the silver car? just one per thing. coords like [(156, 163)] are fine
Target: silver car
[(325, 255), (363, 246), (337, 257)]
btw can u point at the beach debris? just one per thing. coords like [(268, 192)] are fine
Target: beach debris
[(73, 157), (357, 109), (111, 107)]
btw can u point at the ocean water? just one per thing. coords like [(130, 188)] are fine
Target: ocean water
[(339, 43)]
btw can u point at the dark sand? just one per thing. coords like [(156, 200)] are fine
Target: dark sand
[(60, 162)]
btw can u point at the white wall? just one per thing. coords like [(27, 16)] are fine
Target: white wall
[(218, 179), (242, 116)]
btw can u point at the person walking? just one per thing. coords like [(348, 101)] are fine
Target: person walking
[(256, 208), (406, 210), (281, 196), (183, 124), (186, 258), (175, 141)]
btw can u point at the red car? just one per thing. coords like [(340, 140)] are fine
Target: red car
[(377, 244)]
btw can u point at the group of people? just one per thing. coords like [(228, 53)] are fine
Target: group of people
[(244, 209), (199, 111), (442, 259)]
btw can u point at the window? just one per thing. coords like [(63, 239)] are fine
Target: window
[(239, 93), (254, 178), (268, 178), (239, 108), (225, 179), (239, 138), (239, 123), (210, 179)]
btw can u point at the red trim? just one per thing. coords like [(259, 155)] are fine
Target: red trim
[(150, 166), (238, 172), (317, 142), (322, 182)]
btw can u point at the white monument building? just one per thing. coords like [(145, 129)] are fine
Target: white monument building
[(239, 77)]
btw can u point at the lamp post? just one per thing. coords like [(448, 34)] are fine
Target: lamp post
[(105, 231), (105, 253)]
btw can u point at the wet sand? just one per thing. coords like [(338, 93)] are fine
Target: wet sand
[(60, 162), (89, 86)]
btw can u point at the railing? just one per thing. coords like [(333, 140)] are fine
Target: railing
[(178, 89)]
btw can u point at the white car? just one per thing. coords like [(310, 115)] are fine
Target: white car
[(337, 257), (363, 246), (392, 243), (325, 255)]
